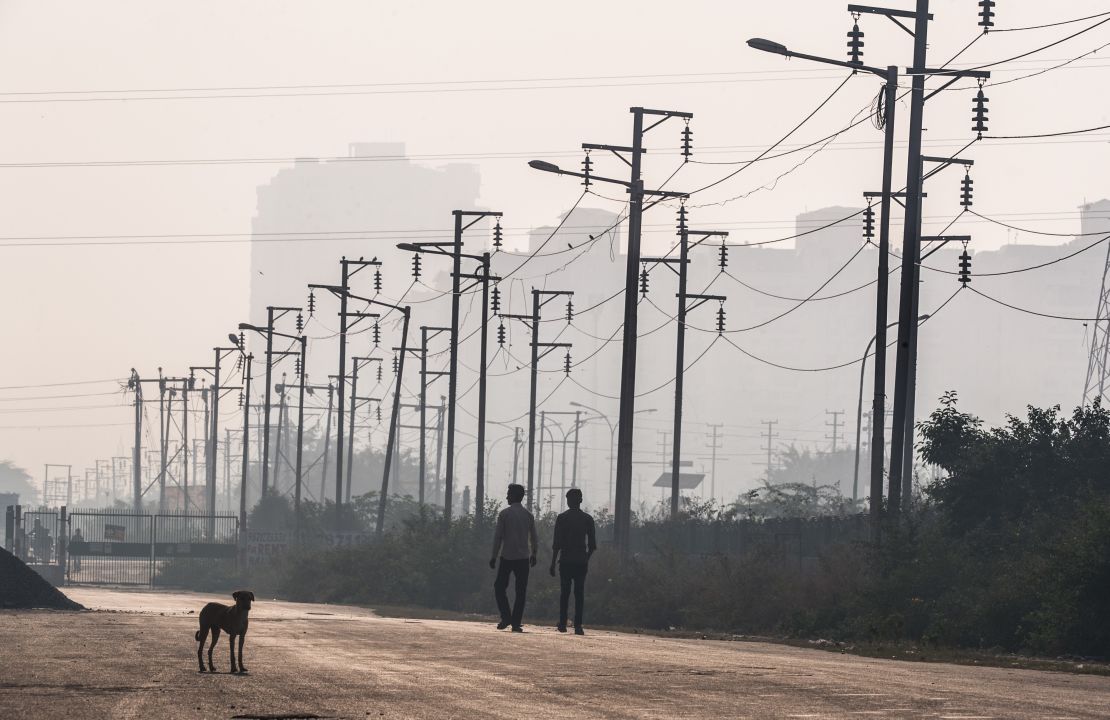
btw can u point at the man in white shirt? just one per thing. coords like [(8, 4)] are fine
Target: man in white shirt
[(515, 542)]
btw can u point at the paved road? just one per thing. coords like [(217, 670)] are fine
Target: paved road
[(139, 662)]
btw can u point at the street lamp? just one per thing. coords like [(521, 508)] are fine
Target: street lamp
[(613, 427), (859, 410), (890, 75)]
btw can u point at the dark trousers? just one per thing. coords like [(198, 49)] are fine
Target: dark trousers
[(568, 573), (519, 570)]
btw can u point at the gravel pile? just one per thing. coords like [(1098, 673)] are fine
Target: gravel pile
[(21, 587)]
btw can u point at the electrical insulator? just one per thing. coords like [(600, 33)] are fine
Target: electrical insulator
[(379, 372), (377, 280), (687, 142), (495, 300), (722, 259), (644, 282), (721, 319), (587, 166), (979, 113), (296, 366), (566, 363), (238, 367), (965, 191), (192, 382), (416, 266), (379, 413), (855, 45), (300, 323), (869, 222), (681, 219), (242, 341), (965, 268), (497, 234), (377, 334), (395, 363), (240, 398), (311, 303), (570, 311), (986, 14), (501, 334)]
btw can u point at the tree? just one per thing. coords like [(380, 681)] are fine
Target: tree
[(14, 479)]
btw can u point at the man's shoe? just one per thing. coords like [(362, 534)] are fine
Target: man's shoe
[(561, 627), (579, 631), (503, 624), (517, 628)]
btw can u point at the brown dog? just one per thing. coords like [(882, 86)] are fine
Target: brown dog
[(232, 620)]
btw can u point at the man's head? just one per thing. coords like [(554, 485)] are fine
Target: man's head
[(574, 498), (515, 493)]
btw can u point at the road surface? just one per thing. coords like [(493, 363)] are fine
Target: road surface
[(136, 658)]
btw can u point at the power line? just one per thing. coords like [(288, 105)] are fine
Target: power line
[(1034, 312), (1043, 135), (1049, 25), (1043, 47)]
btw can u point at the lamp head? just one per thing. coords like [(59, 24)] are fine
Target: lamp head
[(544, 166), (768, 46)]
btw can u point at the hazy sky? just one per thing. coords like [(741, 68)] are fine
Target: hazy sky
[(494, 83)]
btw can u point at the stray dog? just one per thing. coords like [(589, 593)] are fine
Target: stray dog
[(232, 620)]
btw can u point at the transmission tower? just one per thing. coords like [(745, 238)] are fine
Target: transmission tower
[(1097, 386)]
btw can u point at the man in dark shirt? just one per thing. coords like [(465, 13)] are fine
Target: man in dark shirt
[(574, 543)]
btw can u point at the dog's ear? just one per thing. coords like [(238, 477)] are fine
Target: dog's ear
[(251, 594), (235, 595)]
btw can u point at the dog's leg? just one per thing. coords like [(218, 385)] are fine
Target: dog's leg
[(215, 638), (242, 667), (231, 647), (202, 636)]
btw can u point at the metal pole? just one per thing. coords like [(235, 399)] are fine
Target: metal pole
[(280, 436), (623, 514), (266, 404), (246, 445), (878, 403), (911, 397), (163, 438), (539, 474), (136, 462), (351, 427), (516, 451), (185, 446), (453, 366), (423, 411), (394, 421), (911, 252), (859, 423), (480, 479), (300, 443), (339, 388), (327, 448), (574, 467), (532, 398), (680, 365), (214, 446), (439, 442)]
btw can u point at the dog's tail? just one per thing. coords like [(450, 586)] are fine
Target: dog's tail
[(197, 636)]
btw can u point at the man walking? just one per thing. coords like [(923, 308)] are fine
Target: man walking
[(574, 544), (515, 541)]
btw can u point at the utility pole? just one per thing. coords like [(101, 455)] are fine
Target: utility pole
[(327, 443), (280, 435), (426, 333), (245, 472), (189, 384), (574, 467), (714, 447), (482, 277), (771, 435), (539, 474), (342, 291), (439, 440), (683, 262), (517, 443), (636, 193), (135, 383), (395, 416), (453, 250), (300, 439), (835, 425), (356, 364), (539, 299), (902, 425)]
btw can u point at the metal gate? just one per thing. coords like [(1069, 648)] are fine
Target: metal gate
[(120, 548), (110, 548)]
